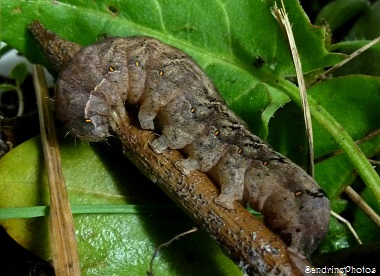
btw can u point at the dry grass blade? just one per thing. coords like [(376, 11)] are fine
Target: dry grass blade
[(349, 226), (282, 18), (166, 244), (362, 205), (62, 233), (340, 64), (374, 162)]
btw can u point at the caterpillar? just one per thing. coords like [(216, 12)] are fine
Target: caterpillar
[(177, 99)]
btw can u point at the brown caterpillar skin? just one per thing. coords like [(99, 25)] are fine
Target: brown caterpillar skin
[(174, 94)]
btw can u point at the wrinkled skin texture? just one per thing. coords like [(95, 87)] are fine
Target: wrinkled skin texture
[(175, 95)]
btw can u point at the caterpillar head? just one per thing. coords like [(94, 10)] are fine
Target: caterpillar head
[(84, 115), (82, 112), (93, 87)]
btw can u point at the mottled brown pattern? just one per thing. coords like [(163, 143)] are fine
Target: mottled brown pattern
[(175, 96)]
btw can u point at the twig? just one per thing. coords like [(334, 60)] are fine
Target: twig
[(353, 195), (342, 219), (374, 162), (62, 234), (282, 18), (59, 51), (243, 237), (166, 244), (323, 76)]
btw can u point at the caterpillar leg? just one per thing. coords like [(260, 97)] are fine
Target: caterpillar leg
[(146, 119), (160, 144), (148, 111), (118, 119), (172, 137), (117, 114), (187, 165), (153, 101), (230, 171)]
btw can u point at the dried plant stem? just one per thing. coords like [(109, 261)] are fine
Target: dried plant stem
[(342, 219), (166, 244), (340, 64), (374, 162), (243, 237), (62, 234), (353, 195), (282, 18)]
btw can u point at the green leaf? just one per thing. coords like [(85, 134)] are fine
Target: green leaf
[(340, 107), (245, 53), (223, 37), (362, 64), (7, 87), (5, 49), (40, 211), (19, 73), (353, 101), (367, 26), (334, 183), (367, 230), (355, 109), (337, 13), (338, 237), (113, 243)]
